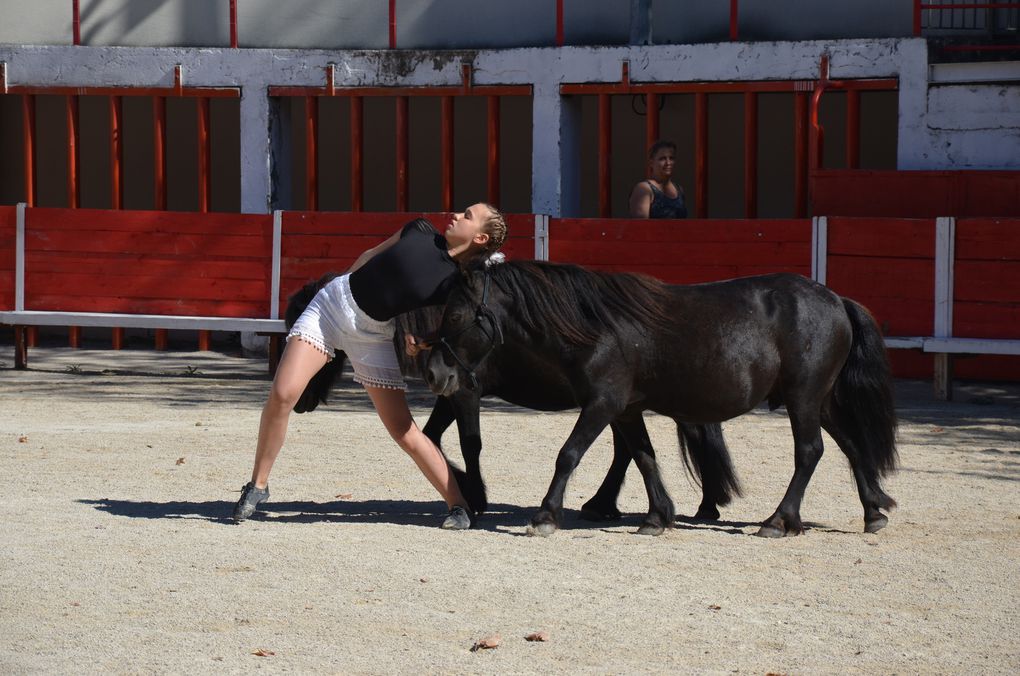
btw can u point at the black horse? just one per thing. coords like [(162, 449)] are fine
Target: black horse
[(703, 448), (703, 353)]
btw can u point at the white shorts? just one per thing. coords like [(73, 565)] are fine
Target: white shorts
[(333, 321)]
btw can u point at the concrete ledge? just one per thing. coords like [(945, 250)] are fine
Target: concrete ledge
[(972, 346), (102, 319)]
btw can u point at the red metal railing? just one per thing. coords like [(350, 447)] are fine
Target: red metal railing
[(807, 131), (401, 97), (920, 6)]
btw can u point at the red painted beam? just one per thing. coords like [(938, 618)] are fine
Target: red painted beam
[(800, 153), (402, 153), (750, 155), (75, 22), (28, 148), (204, 156), (559, 23), (159, 179), (651, 119), (459, 90), (885, 84), (701, 154), (605, 156), (357, 153), (311, 153), (493, 141), (853, 130), (73, 142), (734, 25), (233, 23), (393, 24), (446, 141), (186, 92), (116, 182)]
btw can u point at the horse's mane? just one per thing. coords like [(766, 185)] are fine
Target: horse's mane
[(579, 304)]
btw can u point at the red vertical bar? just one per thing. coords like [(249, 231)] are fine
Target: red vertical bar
[(233, 23), (853, 129), (701, 154), (159, 177), (73, 140), (311, 153), (605, 156), (357, 157), (734, 12), (28, 148), (750, 155), (917, 18), (75, 22), (29, 335), (651, 119), (393, 24), (402, 177), (559, 23), (493, 141), (73, 192), (204, 183), (204, 153), (446, 140), (800, 153), (116, 183)]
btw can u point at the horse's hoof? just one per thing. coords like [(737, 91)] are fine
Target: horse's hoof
[(541, 529), (767, 531), (593, 514), (876, 524), (650, 529), (707, 514)]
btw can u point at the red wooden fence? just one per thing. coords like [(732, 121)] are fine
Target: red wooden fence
[(687, 251), (148, 262), (915, 194), (8, 234)]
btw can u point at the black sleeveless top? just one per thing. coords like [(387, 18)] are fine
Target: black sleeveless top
[(415, 272), (666, 207)]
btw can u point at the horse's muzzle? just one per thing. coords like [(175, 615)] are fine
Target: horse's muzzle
[(440, 378)]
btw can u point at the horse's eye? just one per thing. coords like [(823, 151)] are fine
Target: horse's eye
[(456, 317)]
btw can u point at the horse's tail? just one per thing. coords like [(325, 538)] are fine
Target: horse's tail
[(318, 388), (862, 398), (707, 459)]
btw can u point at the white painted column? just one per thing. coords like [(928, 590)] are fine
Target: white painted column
[(819, 248), (256, 181), (945, 257), (556, 128)]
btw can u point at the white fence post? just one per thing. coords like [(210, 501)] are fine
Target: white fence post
[(541, 237), (819, 248), (945, 257), (19, 259), (274, 299)]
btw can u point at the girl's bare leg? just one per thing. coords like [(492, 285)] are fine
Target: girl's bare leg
[(299, 363), (391, 405)]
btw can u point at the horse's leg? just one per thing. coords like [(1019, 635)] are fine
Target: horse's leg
[(444, 412), (602, 506), (660, 507), (469, 429), (807, 451), (594, 418), (873, 498)]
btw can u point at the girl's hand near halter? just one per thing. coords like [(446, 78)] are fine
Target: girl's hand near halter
[(413, 345)]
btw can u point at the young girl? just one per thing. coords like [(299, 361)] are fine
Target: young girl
[(354, 313)]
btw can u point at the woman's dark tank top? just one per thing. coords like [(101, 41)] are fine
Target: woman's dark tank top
[(415, 272), (666, 207)]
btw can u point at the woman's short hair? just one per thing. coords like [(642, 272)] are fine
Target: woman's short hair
[(659, 145)]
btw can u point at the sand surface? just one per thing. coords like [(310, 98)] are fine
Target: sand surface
[(117, 470)]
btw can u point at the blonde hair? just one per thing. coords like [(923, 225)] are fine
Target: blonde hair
[(495, 227)]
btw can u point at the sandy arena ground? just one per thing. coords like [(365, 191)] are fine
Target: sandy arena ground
[(117, 471)]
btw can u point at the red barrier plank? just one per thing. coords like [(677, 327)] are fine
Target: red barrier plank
[(915, 194), (196, 246), (8, 238), (986, 320), (988, 239), (128, 267), (898, 237), (907, 278), (692, 230), (175, 222), (600, 252), (117, 304), (987, 281), (141, 288)]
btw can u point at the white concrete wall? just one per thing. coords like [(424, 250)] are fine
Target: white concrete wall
[(937, 128)]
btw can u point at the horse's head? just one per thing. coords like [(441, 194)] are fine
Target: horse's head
[(470, 330)]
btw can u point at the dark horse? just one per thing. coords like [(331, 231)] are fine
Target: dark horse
[(703, 353), (522, 383)]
